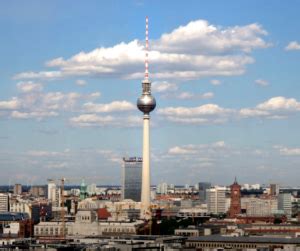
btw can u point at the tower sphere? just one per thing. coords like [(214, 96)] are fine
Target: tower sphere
[(146, 103)]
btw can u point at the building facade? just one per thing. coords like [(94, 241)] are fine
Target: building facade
[(17, 189), (132, 178), (4, 202), (254, 206), (202, 190), (285, 203), (216, 199)]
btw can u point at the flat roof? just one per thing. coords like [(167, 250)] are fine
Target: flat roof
[(244, 239)]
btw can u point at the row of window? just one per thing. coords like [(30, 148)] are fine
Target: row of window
[(49, 231), (112, 230), (221, 245)]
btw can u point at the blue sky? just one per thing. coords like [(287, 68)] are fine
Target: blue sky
[(225, 76)]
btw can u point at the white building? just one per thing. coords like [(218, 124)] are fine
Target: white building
[(4, 200), (259, 206), (21, 206), (51, 190), (216, 200), (92, 189), (54, 193), (162, 188), (12, 228)]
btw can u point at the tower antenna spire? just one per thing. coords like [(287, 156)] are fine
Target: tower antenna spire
[(146, 51)]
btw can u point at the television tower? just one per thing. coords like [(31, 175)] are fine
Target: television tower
[(146, 104)]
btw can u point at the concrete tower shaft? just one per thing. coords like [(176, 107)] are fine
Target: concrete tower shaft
[(146, 104)]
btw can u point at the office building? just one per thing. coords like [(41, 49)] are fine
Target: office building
[(274, 189), (285, 204), (255, 206), (162, 188), (216, 200), (38, 191), (202, 190), (83, 190), (53, 193), (4, 202), (132, 178), (17, 189)]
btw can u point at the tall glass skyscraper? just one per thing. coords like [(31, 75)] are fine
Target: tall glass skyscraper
[(132, 178), (203, 186)]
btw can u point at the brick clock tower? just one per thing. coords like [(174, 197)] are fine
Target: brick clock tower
[(235, 204)]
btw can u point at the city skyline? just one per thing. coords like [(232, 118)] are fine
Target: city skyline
[(226, 86)]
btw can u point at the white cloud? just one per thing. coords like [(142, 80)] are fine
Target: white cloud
[(81, 82), (287, 151), (207, 95), (94, 120), (201, 37), (215, 82), (185, 95), (50, 75), (280, 104), (246, 112), (203, 110), (261, 82), (204, 114), (274, 108), (37, 114), (189, 95), (115, 106), (182, 150), (39, 153), (164, 86), (32, 102), (57, 165), (29, 86), (292, 46), (197, 149), (195, 50), (12, 104)]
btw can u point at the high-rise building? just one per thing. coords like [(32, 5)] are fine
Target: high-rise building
[(53, 193), (83, 190), (274, 189), (162, 188), (17, 189), (38, 191), (132, 178), (51, 190), (285, 203), (4, 202), (146, 104), (216, 200), (235, 202), (203, 186), (92, 189)]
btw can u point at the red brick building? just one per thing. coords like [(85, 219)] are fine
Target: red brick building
[(235, 203)]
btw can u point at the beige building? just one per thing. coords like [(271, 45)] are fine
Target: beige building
[(87, 224)]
